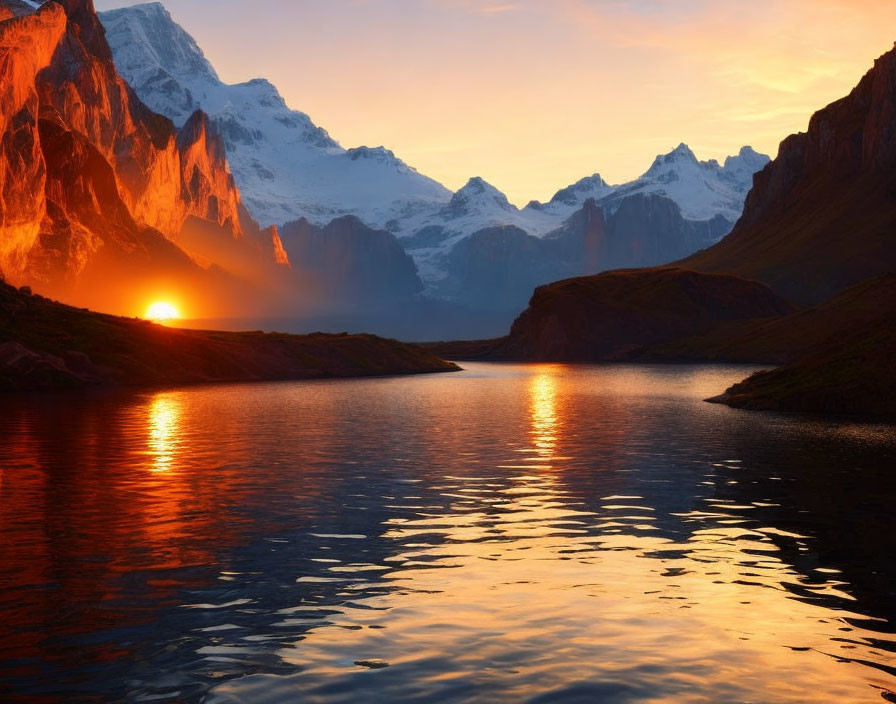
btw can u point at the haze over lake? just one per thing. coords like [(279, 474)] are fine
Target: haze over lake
[(508, 533)]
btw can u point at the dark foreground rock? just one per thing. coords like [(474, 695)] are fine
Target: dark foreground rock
[(851, 370), (851, 377), (48, 345)]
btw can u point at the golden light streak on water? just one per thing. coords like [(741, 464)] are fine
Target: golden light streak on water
[(163, 429)]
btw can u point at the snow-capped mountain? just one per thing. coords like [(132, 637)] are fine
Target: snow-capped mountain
[(702, 189), (708, 195), (431, 233), (567, 200), (289, 168), (285, 166)]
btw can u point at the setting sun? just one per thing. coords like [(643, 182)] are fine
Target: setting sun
[(161, 312)]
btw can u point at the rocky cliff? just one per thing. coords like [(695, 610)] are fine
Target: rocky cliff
[(822, 216), (90, 178), (349, 265)]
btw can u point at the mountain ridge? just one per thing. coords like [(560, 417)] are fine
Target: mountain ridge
[(168, 69), (821, 216), (286, 166)]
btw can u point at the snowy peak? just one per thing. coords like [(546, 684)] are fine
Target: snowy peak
[(477, 196), (567, 200), (173, 49), (702, 189), (150, 47), (747, 156), (672, 163), (592, 186), (286, 166), (741, 168)]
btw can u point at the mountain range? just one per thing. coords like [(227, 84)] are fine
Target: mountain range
[(289, 169), (805, 279), (144, 202), (107, 203)]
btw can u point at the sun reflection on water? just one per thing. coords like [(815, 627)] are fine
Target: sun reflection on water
[(544, 412), (164, 429)]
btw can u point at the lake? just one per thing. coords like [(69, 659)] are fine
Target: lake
[(511, 533)]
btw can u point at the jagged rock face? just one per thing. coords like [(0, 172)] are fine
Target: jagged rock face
[(348, 263), (156, 167), (822, 216), (207, 182), (27, 45), (90, 179)]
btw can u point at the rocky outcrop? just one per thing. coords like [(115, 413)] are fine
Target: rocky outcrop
[(822, 216), (24, 369), (349, 264), (621, 314), (848, 370), (47, 345), (93, 181)]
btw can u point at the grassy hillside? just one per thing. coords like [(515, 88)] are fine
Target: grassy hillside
[(44, 344)]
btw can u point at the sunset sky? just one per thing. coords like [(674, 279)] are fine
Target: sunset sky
[(535, 94)]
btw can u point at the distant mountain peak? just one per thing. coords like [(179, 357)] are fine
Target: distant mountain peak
[(682, 154), (167, 46), (477, 193), (478, 183), (592, 186), (747, 157)]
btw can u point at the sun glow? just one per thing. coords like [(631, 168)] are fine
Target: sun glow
[(161, 312)]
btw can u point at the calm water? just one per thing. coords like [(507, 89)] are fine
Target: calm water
[(508, 534)]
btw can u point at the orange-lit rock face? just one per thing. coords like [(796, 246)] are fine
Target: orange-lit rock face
[(208, 186), (91, 181), (164, 177), (280, 255), (26, 46)]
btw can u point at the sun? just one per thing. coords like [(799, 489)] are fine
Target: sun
[(161, 312)]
